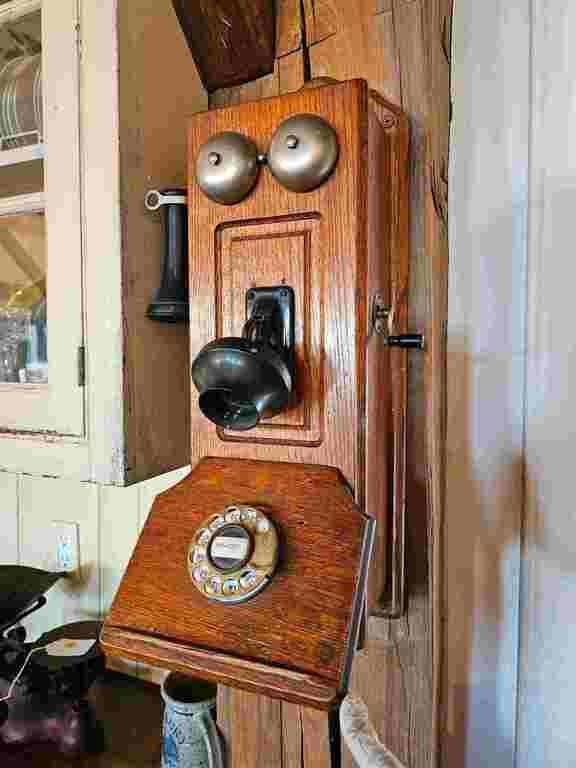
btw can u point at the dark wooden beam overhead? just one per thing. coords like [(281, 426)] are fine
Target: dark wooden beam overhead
[(232, 41)]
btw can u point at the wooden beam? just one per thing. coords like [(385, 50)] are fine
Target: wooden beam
[(231, 41), (402, 48), (255, 722)]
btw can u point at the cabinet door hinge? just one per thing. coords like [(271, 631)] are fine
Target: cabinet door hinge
[(81, 366), (79, 39)]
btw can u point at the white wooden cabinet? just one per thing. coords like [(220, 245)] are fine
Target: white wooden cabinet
[(89, 387)]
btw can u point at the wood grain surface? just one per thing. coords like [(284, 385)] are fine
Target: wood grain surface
[(308, 737), (407, 61), (256, 746), (155, 356), (232, 41), (243, 674), (402, 47), (339, 252), (274, 253), (305, 621), (323, 246), (303, 249), (386, 370)]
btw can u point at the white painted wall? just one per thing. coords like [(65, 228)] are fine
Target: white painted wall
[(511, 632), (547, 723), (487, 297)]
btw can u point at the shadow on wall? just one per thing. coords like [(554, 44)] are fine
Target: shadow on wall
[(482, 550)]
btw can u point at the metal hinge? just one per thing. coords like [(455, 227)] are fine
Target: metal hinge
[(79, 39), (81, 366)]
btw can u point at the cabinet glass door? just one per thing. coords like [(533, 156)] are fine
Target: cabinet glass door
[(23, 300), (40, 226)]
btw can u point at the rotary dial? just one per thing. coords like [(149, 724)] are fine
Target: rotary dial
[(233, 554)]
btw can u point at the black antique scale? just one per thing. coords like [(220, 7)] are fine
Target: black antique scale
[(42, 695)]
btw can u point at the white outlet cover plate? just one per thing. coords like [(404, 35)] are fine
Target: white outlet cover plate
[(66, 538)]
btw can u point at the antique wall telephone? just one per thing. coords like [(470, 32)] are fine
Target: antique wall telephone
[(254, 570)]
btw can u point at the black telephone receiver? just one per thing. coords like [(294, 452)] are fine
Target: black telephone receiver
[(171, 303)]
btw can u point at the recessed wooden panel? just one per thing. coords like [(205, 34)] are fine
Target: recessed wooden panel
[(281, 252), (300, 630)]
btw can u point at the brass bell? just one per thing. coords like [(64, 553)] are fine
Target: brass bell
[(303, 152), (227, 167)]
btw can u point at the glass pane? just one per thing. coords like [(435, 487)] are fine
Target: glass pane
[(21, 107), (23, 322)]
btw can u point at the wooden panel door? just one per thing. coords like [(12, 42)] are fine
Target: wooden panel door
[(279, 252)]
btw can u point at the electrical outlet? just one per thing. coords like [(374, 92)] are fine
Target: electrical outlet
[(66, 546)]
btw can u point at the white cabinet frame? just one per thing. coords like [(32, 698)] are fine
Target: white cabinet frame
[(131, 132)]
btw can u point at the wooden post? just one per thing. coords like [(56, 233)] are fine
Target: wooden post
[(403, 49)]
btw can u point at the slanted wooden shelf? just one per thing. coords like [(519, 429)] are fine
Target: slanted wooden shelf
[(294, 640)]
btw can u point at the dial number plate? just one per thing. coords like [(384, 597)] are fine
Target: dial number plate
[(233, 554)]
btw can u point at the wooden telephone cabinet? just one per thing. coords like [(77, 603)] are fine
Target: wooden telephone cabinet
[(329, 464)]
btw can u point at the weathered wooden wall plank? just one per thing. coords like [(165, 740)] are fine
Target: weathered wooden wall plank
[(292, 736), (404, 655), (438, 29), (288, 27), (255, 729), (317, 750), (364, 49), (290, 72), (325, 18)]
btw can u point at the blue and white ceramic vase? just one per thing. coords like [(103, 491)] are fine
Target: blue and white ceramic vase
[(189, 737)]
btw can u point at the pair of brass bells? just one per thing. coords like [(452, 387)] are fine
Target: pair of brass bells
[(302, 155)]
